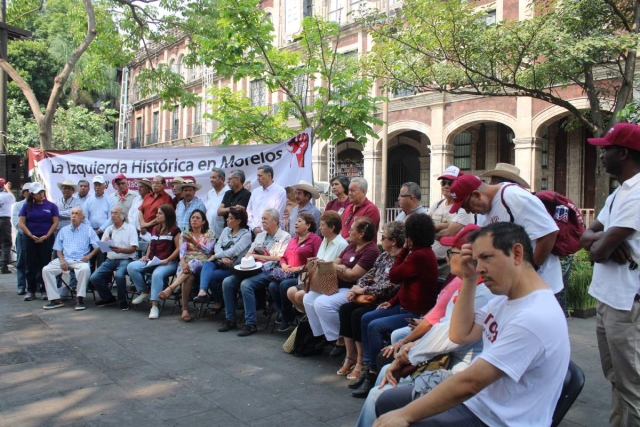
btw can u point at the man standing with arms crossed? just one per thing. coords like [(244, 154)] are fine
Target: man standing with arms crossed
[(6, 202), (613, 241)]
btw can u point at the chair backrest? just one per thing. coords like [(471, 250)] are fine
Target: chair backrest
[(573, 383)]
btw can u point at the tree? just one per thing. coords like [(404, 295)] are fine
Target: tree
[(323, 90), (588, 43)]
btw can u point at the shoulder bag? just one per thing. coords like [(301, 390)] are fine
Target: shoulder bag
[(320, 276)]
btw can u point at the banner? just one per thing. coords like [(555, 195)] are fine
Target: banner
[(290, 160)]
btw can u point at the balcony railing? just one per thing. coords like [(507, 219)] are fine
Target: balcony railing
[(171, 134), (194, 129), (151, 138), (135, 142)]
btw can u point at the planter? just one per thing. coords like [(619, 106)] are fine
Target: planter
[(583, 313)]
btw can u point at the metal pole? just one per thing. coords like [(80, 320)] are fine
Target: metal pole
[(385, 145), (3, 81)]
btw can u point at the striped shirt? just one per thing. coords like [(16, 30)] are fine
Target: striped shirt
[(74, 241)]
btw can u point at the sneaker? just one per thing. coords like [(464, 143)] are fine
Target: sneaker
[(29, 297), (104, 302), (154, 313), (124, 306), (141, 298), (80, 306), (227, 326), (52, 305), (22, 292), (247, 330), (284, 326)]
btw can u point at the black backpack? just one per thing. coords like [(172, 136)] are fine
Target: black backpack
[(305, 343)]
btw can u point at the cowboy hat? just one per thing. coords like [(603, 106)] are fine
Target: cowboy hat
[(144, 181), (308, 187), (67, 183), (506, 171), (177, 180), (188, 183)]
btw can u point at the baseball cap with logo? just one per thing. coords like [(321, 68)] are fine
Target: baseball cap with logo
[(452, 173), (622, 135), (461, 238), (461, 189)]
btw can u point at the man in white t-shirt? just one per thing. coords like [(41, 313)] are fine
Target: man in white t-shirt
[(518, 377), (528, 211), (613, 241), (214, 198), (447, 224), (6, 202)]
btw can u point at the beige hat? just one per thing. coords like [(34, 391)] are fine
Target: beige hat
[(308, 187), (189, 183), (177, 180), (506, 171), (67, 183), (144, 181)]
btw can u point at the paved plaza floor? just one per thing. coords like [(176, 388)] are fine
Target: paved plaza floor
[(105, 367)]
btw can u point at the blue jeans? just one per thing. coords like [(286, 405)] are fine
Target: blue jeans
[(375, 325), (21, 261), (159, 274), (211, 277), (248, 288), (100, 278), (278, 292)]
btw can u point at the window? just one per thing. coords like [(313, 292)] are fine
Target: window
[(292, 16), (490, 17), (544, 184), (302, 88), (462, 152), (258, 93), (154, 127), (355, 6), (139, 132), (196, 128), (307, 8), (399, 92), (545, 153), (335, 10), (481, 148), (175, 122)]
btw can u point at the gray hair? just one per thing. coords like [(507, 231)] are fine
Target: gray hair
[(119, 208), (395, 231), (219, 172), (362, 183), (273, 214), (266, 169), (413, 189), (238, 174)]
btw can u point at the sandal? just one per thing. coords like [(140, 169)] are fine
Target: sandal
[(355, 372), (186, 317), (217, 310), (164, 295), (347, 367)]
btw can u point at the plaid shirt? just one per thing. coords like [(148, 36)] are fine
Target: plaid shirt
[(183, 212), (74, 242)]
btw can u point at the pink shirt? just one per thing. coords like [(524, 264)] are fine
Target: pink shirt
[(440, 309), (296, 255)]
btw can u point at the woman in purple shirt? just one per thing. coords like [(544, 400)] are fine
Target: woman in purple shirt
[(38, 221), (302, 247)]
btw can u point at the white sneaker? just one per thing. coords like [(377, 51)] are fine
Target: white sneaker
[(140, 298), (155, 312)]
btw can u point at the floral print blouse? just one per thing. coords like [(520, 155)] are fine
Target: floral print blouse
[(376, 281)]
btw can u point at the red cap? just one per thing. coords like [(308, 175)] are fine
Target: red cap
[(622, 134), (461, 238), (461, 189), (121, 176), (2, 181)]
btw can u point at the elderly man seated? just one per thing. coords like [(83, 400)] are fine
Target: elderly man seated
[(72, 247), (124, 238)]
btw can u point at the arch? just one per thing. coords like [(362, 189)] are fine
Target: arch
[(555, 112), (467, 120), (396, 128), (180, 68)]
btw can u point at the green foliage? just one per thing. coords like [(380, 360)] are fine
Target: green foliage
[(74, 128), (579, 281), (31, 58)]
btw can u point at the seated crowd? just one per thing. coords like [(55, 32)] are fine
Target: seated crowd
[(441, 323)]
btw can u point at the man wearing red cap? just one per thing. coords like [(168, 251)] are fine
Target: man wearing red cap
[(613, 241), (6, 201), (474, 196), (122, 197)]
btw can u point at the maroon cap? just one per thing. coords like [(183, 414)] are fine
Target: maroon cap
[(2, 181), (119, 177), (461, 238), (622, 134), (461, 189)]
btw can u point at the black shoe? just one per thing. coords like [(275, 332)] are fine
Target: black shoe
[(202, 299), (22, 292), (337, 351), (284, 326), (124, 306), (6, 271), (53, 304), (80, 306), (104, 302), (29, 296), (227, 326), (366, 386), (358, 381), (247, 330)]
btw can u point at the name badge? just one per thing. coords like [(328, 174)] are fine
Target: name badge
[(352, 258), (302, 245), (340, 211), (386, 270)]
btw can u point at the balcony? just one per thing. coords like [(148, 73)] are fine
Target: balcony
[(151, 138), (194, 129), (135, 142), (171, 134)]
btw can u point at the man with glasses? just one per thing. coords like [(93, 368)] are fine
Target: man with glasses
[(613, 241), (447, 224), (267, 195), (123, 197), (409, 201), (214, 199), (360, 206), (237, 197), (152, 201)]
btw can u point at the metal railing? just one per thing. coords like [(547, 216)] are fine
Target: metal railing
[(194, 129), (135, 142), (171, 134), (151, 138)]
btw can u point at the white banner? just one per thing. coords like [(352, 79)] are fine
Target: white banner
[(290, 160)]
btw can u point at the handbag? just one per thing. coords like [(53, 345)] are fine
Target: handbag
[(279, 274), (288, 344), (363, 299), (320, 276)]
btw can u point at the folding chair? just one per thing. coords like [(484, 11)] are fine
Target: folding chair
[(573, 383)]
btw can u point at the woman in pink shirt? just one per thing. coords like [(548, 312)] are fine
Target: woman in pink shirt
[(305, 245)]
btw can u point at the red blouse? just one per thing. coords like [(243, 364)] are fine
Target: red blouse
[(296, 255), (417, 270)]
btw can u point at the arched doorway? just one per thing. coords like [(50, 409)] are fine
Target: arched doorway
[(403, 165), (478, 147)]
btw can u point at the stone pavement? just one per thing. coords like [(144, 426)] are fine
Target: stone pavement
[(106, 367)]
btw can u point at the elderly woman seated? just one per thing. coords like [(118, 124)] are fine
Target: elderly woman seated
[(268, 246), (357, 258), (195, 247), (230, 247), (372, 289), (416, 269), (302, 246)]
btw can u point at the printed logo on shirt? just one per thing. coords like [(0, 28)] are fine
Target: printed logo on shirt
[(46, 210), (495, 219), (490, 328)]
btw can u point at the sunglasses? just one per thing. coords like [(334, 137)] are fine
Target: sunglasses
[(445, 182), (451, 253)]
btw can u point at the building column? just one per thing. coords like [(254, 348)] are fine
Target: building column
[(529, 160), (425, 166), (372, 168), (441, 157)]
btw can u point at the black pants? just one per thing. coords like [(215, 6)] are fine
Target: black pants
[(38, 255), (350, 316), (5, 242)]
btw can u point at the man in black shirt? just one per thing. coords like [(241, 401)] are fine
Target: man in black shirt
[(237, 197)]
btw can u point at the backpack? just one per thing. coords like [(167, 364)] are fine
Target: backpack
[(305, 344), (566, 215)]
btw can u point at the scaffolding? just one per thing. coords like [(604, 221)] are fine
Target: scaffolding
[(124, 110), (207, 110)]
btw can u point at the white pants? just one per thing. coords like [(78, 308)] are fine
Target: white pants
[(50, 271), (323, 312)]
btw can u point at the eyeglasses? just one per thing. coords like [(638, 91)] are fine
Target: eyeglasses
[(383, 238), (445, 182), (465, 204), (451, 253), (405, 195)]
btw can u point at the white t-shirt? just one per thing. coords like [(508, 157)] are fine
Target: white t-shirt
[(529, 212), (216, 222), (612, 283), (6, 201), (440, 215), (528, 340)]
